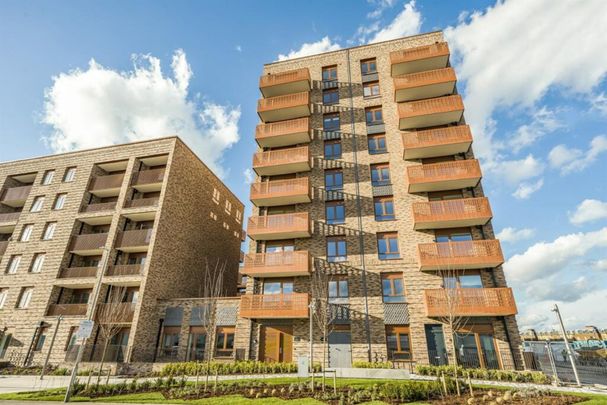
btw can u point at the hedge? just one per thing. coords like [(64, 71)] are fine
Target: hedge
[(237, 367), (485, 374)]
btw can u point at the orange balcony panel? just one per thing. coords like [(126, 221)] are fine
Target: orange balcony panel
[(418, 59), (451, 213), (279, 84), (142, 202), (125, 311), (147, 181), (277, 264), (274, 306), (3, 246), (431, 112), (66, 310), (97, 207), (282, 161), (437, 142), (287, 107), (124, 270), (136, 240), (78, 272), (474, 254), (452, 175), (470, 302), (88, 244), (428, 84), (283, 133), (15, 196), (106, 186), (281, 192), (281, 226)]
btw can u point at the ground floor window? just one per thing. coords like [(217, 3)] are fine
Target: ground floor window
[(476, 348), (198, 342), (224, 342), (169, 345), (398, 343)]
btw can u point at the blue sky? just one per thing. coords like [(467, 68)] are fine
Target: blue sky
[(532, 73)]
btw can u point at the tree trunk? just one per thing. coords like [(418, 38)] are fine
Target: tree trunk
[(324, 358), (455, 373), (105, 345)]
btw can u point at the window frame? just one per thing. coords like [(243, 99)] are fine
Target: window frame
[(331, 117), (69, 175), (37, 203), (24, 290), (382, 202), (332, 100), (13, 264), (339, 281), (336, 220), (390, 277), (337, 240), (26, 233), (382, 181), (331, 143), (368, 63), (60, 197), (224, 332), (389, 254), (374, 139), (49, 225), (397, 331), (334, 174), (37, 263), (47, 177), (371, 86), (332, 70), (373, 111), (3, 296)]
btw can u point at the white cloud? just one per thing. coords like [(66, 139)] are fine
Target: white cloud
[(100, 106), (525, 189), (312, 48), (380, 7), (543, 122), (599, 103), (600, 264), (588, 211), (503, 65), (515, 171), (570, 160), (512, 235), (407, 22), (249, 176)]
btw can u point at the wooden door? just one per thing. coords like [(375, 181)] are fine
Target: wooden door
[(277, 344)]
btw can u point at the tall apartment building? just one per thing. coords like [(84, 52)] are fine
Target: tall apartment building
[(365, 170), (145, 216)]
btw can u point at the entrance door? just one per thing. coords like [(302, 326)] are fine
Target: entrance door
[(435, 342), (488, 350), (340, 349), (277, 344)]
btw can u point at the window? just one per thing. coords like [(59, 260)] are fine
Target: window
[(228, 207), (387, 246), (26, 232), (3, 295), (393, 289), (13, 264), (37, 204), (59, 201), (224, 345), (329, 73), (37, 263), (80, 296), (371, 89), (338, 288), (330, 96), (40, 340), (463, 281), (70, 174), (380, 174), (377, 144), (25, 297), (330, 122), (384, 208), (334, 180), (374, 116), (48, 177), (216, 196), (333, 149), (277, 287), (453, 235), (238, 216), (398, 343), (170, 341), (336, 249), (336, 213), (368, 66), (49, 230)]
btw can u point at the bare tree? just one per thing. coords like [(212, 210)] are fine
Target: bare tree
[(111, 318), (210, 287), (324, 313)]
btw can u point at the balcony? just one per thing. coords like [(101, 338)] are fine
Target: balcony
[(283, 108), (3, 246), (278, 264), (274, 306), (429, 84), (437, 142), (124, 312), (8, 220), (282, 161), (98, 207), (444, 176), (106, 186), (281, 226), (431, 112), (474, 254), (470, 302), (278, 84), (88, 244), (281, 192), (136, 240), (283, 133), (142, 202), (15, 196), (78, 272), (451, 213), (124, 270), (67, 309), (418, 59), (147, 181)]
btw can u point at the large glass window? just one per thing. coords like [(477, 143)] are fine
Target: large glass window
[(170, 341), (387, 246), (463, 281), (384, 208), (224, 342), (333, 149), (455, 235), (336, 213), (334, 180), (380, 174), (393, 289), (329, 73), (277, 287), (338, 288), (374, 116), (330, 96), (377, 144), (336, 249), (398, 342), (330, 122)]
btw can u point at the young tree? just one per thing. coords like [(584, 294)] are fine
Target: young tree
[(111, 318)]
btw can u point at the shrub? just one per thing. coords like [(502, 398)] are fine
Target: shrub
[(408, 391), (485, 374), (372, 364), (222, 368)]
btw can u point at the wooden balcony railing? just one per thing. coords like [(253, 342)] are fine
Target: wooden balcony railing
[(277, 264), (3, 246), (106, 182), (437, 142), (470, 302), (426, 78), (281, 157), (78, 272), (430, 106), (281, 224), (96, 207), (290, 76), (286, 101), (126, 310), (88, 242), (472, 254), (274, 306), (9, 217), (16, 193), (452, 210), (149, 176), (67, 309), (124, 270), (134, 238), (444, 171), (297, 129), (280, 188), (420, 52), (143, 202)]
